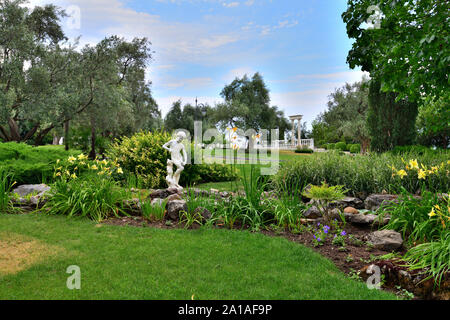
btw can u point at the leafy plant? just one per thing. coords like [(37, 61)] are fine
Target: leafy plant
[(5, 188), (419, 218), (323, 195), (94, 197), (431, 257), (154, 212)]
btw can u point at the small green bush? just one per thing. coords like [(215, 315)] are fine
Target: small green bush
[(341, 146), (330, 146), (303, 149), (355, 148)]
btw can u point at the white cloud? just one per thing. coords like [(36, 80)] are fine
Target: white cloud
[(230, 4)]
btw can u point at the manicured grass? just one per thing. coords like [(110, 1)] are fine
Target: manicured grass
[(147, 263), (284, 156)]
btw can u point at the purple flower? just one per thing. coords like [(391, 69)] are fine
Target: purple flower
[(343, 233), (325, 230), (334, 236), (318, 239), (314, 236)]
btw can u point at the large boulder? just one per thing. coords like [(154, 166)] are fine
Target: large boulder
[(26, 189), (375, 201), (174, 208), (386, 240)]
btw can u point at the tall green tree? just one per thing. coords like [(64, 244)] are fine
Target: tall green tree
[(407, 50), (433, 122), (184, 117), (345, 118), (247, 106), (390, 122), (46, 82)]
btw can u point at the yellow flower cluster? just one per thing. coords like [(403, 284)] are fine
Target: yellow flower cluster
[(413, 165), (436, 211), (103, 167)]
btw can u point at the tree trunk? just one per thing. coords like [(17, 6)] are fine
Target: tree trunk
[(41, 135), (66, 135), (93, 134)]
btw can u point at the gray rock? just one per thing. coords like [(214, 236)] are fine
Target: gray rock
[(375, 201), (26, 189), (206, 215), (174, 208), (387, 240), (157, 201), (348, 202), (312, 213), (174, 196), (133, 207), (163, 193), (363, 219)]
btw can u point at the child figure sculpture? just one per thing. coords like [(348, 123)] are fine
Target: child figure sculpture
[(178, 157)]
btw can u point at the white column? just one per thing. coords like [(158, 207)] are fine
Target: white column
[(293, 132), (299, 132)]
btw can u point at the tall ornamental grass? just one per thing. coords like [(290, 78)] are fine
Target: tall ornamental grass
[(369, 173)]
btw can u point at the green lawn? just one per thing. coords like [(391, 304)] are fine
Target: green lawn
[(147, 263), (284, 155)]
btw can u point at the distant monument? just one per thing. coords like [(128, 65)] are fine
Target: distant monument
[(178, 158), (299, 128)]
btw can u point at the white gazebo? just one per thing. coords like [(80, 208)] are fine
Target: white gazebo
[(299, 128)]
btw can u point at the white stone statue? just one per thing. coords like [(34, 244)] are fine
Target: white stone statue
[(178, 157)]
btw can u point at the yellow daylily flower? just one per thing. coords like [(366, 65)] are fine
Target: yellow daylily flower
[(57, 161), (101, 173), (402, 173), (73, 176), (421, 174), (94, 167), (432, 213), (104, 161), (119, 170), (58, 174), (71, 159), (414, 164)]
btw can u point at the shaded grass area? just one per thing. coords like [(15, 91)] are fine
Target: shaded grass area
[(147, 263)]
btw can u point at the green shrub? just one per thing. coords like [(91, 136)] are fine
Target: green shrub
[(433, 258), (355, 148), (340, 146), (364, 173), (303, 149), (411, 216), (95, 197), (31, 165)]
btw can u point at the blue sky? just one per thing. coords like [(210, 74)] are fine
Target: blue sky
[(299, 47)]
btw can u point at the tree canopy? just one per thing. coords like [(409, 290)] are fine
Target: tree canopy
[(247, 106), (408, 50), (45, 81)]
